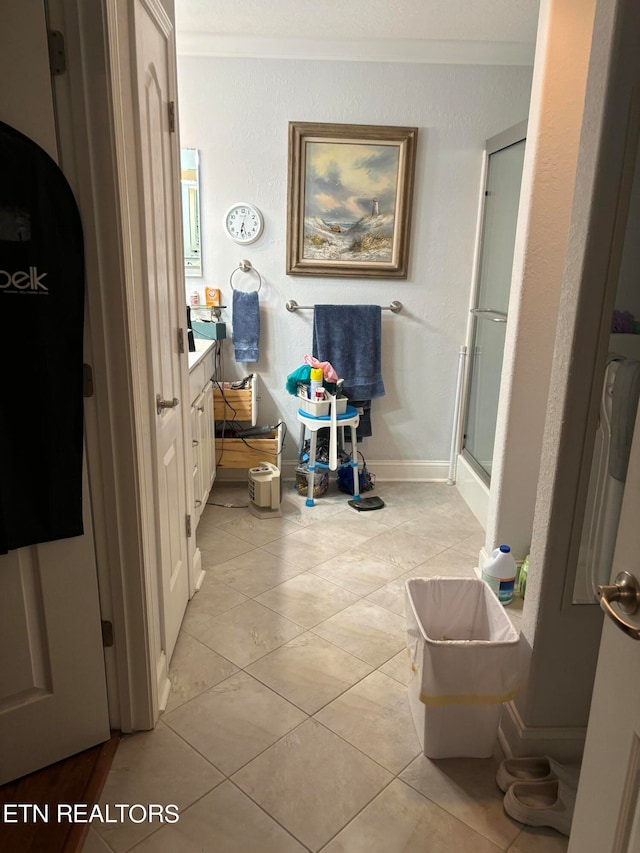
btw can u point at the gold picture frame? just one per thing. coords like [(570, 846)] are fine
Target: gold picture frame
[(350, 194)]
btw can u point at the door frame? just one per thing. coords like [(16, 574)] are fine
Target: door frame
[(604, 179), (95, 117)]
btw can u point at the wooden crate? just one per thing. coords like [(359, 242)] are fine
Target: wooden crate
[(237, 406), (234, 453)]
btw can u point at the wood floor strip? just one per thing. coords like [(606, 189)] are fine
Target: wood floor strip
[(93, 790), (78, 779)]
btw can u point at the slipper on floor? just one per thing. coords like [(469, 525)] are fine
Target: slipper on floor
[(539, 768), (548, 803)]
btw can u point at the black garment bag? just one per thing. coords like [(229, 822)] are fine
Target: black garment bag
[(41, 324)]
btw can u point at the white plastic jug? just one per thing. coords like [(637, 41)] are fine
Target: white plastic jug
[(499, 571)]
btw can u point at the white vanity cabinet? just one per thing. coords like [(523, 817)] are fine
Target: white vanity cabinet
[(203, 449), (203, 455)]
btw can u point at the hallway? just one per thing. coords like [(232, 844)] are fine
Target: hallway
[(288, 726)]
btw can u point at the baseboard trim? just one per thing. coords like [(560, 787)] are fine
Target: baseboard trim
[(483, 555), (386, 470), (412, 471), (517, 739)]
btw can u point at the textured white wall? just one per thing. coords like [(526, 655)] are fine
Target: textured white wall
[(553, 137), (536, 443), (236, 111)]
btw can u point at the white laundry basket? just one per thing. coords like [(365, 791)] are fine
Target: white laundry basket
[(464, 652)]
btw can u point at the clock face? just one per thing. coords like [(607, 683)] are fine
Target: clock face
[(243, 223)]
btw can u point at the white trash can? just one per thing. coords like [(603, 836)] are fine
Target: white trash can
[(465, 658)]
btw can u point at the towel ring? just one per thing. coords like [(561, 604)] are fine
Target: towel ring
[(246, 266)]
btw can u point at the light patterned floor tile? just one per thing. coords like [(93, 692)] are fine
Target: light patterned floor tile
[(218, 547), (214, 516), (375, 717), (307, 599), (309, 671), (392, 595), (400, 820), (212, 599), (305, 550), (229, 492), (515, 607), (306, 777), (248, 632), (350, 527), (448, 563), (258, 531), (357, 571), (416, 494), (398, 667), (395, 512), (516, 621), (194, 669), (255, 572), (226, 820), (312, 782), (95, 844), (466, 788), (402, 548), (234, 721), (153, 767), (444, 525), (540, 839), (439, 494), (472, 544), (367, 631), (294, 508)]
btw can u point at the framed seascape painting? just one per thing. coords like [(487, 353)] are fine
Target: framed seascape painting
[(349, 200)]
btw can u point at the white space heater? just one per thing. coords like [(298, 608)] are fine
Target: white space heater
[(264, 491)]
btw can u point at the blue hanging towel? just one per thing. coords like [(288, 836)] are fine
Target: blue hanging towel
[(350, 337), (246, 325)]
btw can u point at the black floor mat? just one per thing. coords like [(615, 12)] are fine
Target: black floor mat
[(366, 504)]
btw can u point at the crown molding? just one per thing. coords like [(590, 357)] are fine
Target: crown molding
[(357, 50)]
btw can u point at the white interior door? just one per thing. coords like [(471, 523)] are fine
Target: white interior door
[(607, 816), (159, 176), (53, 700)]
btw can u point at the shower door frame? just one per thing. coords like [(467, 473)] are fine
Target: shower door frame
[(504, 139)]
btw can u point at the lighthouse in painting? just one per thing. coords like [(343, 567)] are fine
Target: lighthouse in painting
[(375, 210)]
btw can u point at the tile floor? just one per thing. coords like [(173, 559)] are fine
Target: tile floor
[(288, 726)]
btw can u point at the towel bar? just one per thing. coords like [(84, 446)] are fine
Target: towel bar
[(292, 305)]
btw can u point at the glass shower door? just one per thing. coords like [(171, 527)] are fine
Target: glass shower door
[(502, 195)]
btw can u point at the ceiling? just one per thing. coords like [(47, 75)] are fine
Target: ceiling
[(501, 31)]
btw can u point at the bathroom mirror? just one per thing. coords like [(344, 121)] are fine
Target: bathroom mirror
[(190, 178)]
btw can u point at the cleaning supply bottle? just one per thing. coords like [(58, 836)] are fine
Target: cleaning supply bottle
[(316, 384), (499, 571), (521, 580)]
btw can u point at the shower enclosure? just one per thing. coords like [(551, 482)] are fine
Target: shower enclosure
[(505, 155)]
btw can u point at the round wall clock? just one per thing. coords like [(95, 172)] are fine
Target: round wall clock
[(243, 222)]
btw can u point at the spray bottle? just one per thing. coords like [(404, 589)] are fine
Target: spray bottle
[(316, 387)]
